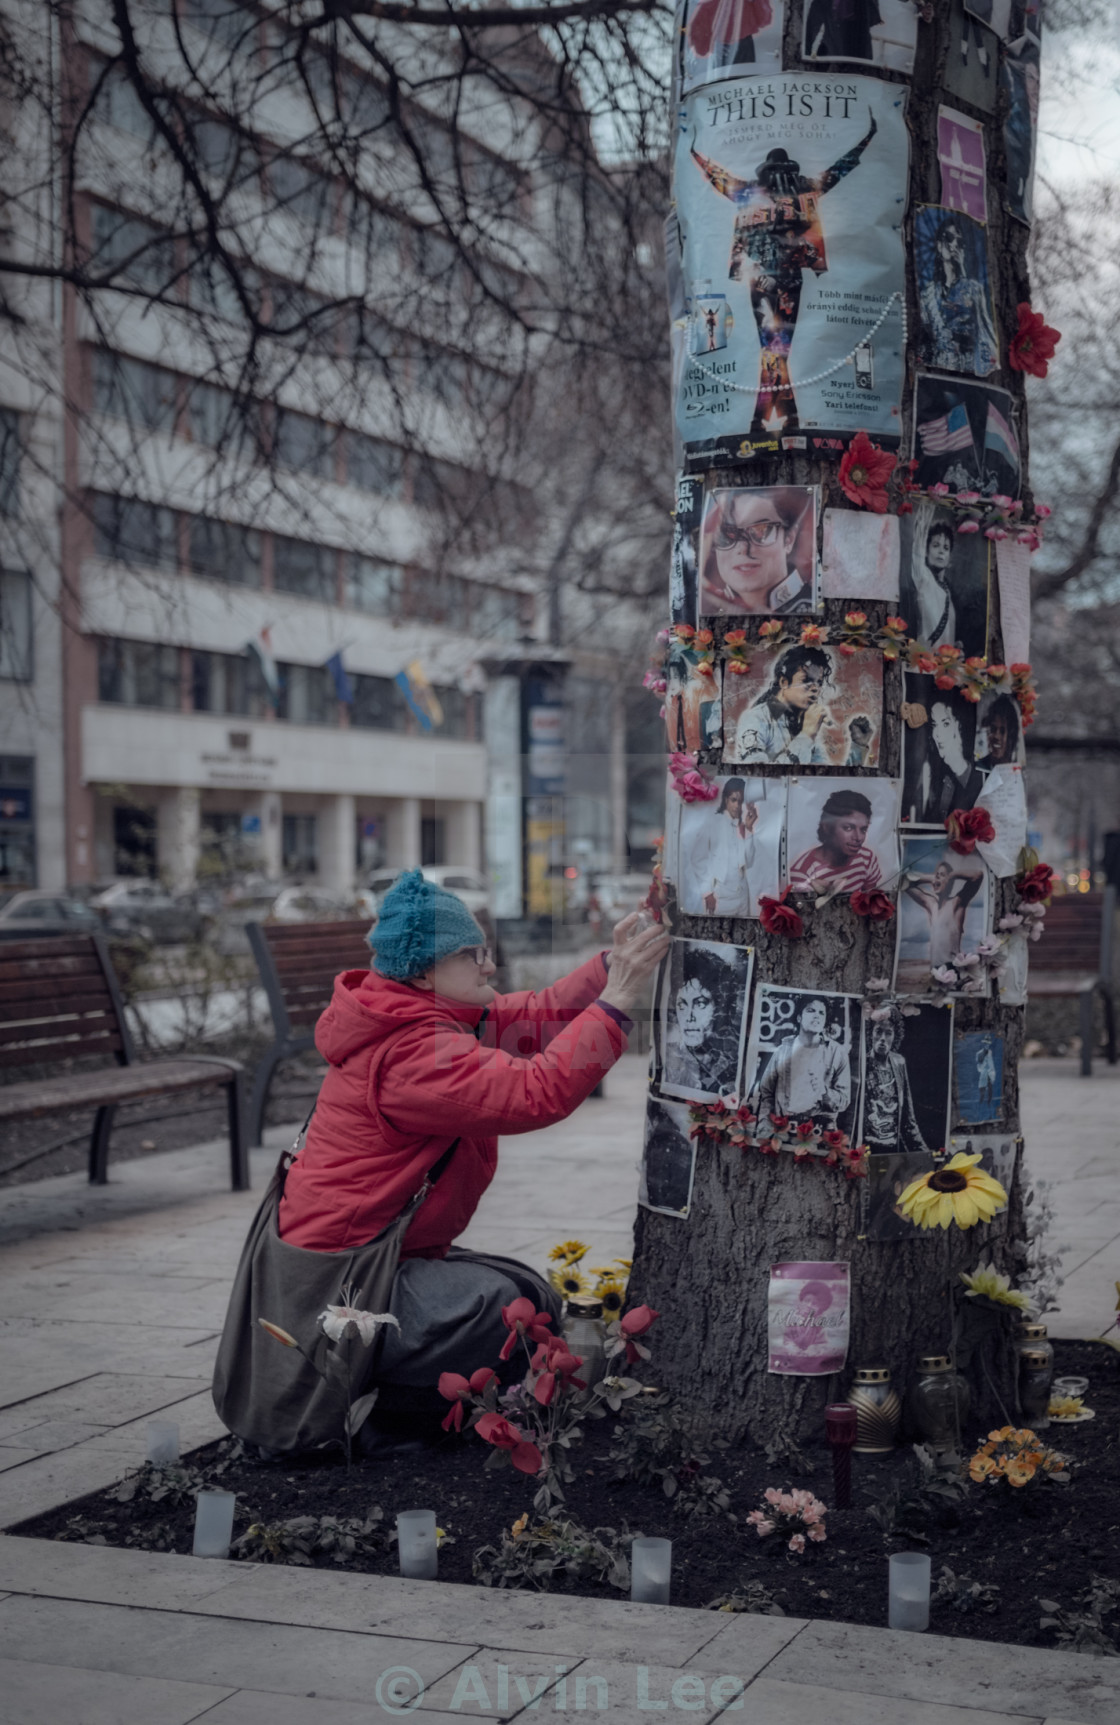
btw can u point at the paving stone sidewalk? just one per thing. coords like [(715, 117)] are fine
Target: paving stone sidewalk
[(110, 1304)]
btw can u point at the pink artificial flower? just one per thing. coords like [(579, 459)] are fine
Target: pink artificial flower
[(968, 527), (553, 1363), (525, 1456), (521, 1318), (636, 1323), (816, 1532), (456, 1389), (797, 1542)]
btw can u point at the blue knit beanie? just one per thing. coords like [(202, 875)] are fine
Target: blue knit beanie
[(419, 924)]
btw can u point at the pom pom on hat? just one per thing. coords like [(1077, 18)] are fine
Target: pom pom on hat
[(419, 924)]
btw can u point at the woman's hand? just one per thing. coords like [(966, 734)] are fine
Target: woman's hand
[(633, 962)]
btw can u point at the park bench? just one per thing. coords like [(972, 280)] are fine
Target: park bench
[(60, 1003), (298, 962), (1073, 961)]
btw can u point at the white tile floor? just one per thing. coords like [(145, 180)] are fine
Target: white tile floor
[(110, 1303)]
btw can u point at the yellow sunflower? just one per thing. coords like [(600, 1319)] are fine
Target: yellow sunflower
[(613, 1296), (958, 1192), (568, 1252), (568, 1281)]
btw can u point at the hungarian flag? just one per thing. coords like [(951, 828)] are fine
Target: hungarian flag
[(946, 435), (260, 651)]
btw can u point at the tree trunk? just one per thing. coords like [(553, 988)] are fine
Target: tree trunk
[(708, 1274)]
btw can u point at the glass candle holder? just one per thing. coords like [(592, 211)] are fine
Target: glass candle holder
[(908, 1602), (213, 1523), (417, 1544), (650, 1564), (1070, 1387), (163, 1443), (840, 1426)]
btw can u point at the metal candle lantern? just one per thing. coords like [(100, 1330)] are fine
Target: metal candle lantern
[(878, 1410), (840, 1423)]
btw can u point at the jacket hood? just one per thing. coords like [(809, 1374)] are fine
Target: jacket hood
[(367, 1007)]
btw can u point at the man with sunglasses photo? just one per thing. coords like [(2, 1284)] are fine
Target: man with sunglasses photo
[(758, 552)]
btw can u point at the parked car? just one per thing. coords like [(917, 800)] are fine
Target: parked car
[(146, 910), (616, 895), (31, 915), (276, 903)]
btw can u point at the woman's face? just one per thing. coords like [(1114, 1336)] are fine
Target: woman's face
[(461, 978), (751, 544), (846, 835), (696, 1012)]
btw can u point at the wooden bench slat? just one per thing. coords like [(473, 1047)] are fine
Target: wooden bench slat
[(30, 1028), (112, 1085), (348, 955), (14, 995), (32, 1053), (38, 965), (44, 947), (288, 933)]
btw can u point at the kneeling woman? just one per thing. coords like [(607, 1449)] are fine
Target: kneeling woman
[(424, 1054)]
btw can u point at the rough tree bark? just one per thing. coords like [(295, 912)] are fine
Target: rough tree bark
[(708, 1274)]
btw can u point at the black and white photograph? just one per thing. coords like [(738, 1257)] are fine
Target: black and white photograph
[(724, 855), (999, 732), (972, 63), (956, 323), (703, 991), (880, 33), (944, 579), (725, 38), (809, 707), (888, 1175), (942, 911), (940, 772), (965, 438), (841, 835), (692, 703), (907, 1080), (668, 1159), (1019, 76), (804, 1057), (758, 551), (682, 563), (998, 1152)]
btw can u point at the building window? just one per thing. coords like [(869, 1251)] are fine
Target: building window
[(9, 461), (138, 674), (299, 189), (300, 845), (495, 615), (374, 586), (117, 102), (222, 420), (305, 445), (462, 714), (378, 704), (438, 598), (17, 821), (130, 531), (131, 389), (15, 625), (372, 465), (307, 695), (212, 289), (310, 570), (228, 683), (222, 551), (225, 20), (132, 248)]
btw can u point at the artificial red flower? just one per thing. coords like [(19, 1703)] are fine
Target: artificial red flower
[(805, 1129), (521, 1318), (456, 1388), (864, 471), (967, 828), (525, 1456), (1036, 886), (874, 904), (812, 634), (1032, 346), (633, 1324), (779, 1122), (778, 917), (553, 1361), (770, 630)]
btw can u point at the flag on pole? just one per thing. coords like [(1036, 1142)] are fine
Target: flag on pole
[(946, 435), (421, 697), (343, 687), (260, 651)]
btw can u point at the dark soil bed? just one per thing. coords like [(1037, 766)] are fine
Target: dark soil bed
[(1046, 1541)]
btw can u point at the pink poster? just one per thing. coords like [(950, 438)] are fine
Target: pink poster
[(808, 1318), (960, 150)]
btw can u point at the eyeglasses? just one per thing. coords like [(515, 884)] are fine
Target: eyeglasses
[(758, 533), (480, 954)]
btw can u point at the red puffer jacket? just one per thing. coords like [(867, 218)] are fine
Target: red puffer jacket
[(408, 1075)]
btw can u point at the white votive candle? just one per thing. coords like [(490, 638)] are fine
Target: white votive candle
[(909, 1590), (213, 1523), (417, 1546), (650, 1565), (163, 1443)]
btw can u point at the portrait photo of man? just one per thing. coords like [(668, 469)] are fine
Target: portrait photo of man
[(896, 1063), (758, 551), (944, 580), (804, 1058), (978, 1057), (957, 326), (999, 735), (940, 771), (727, 853), (703, 1017), (809, 708), (942, 911), (668, 1158), (841, 835)]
